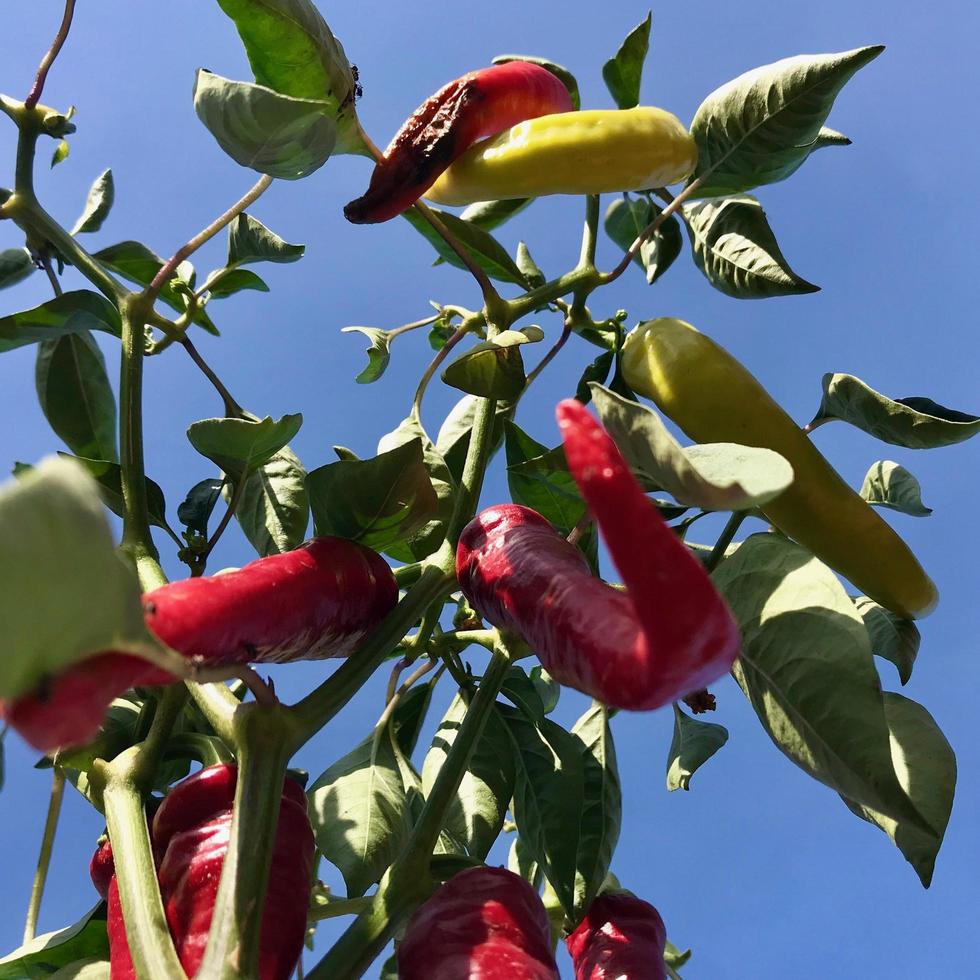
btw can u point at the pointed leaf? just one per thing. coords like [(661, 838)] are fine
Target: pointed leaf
[(239, 446), (829, 137), (760, 127), (75, 395), (226, 282), (693, 744), (807, 670), (915, 423), (892, 637), (379, 353), (274, 506), (926, 768), (196, 509), (250, 241), (489, 215), (108, 475), (16, 265), (60, 154), (626, 218), (622, 73), (98, 204), (533, 276), (887, 484), (69, 313), (44, 955), (737, 252)]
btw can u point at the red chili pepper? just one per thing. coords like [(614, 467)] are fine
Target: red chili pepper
[(668, 634), (320, 600), (190, 838), (483, 924), (621, 936), (477, 105)]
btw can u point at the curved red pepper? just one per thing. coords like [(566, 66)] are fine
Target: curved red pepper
[(668, 634), (484, 923), (620, 936), (320, 600), (190, 837), (477, 105)]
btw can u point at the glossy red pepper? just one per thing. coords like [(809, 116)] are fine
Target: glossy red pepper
[(477, 105), (621, 938), (668, 634), (190, 838), (320, 600), (482, 924)]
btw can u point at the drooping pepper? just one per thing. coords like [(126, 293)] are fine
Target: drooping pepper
[(714, 398), (484, 924), (190, 839), (668, 634), (593, 151), (479, 104), (620, 936), (320, 600)]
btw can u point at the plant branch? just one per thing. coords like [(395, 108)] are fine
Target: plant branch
[(551, 355), (48, 60), (590, 234), (461, 331), (232, 408), (44, 856), (218, 705), (725, 539), (414, 325), (204, 236)]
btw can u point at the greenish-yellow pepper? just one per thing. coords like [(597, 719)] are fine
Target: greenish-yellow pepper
[(713, 398), (594, 151)]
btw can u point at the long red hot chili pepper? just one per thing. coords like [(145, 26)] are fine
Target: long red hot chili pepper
[(477, 105), (320, 600), (668, 634), (620, 936), (484, 923), (190, 839)]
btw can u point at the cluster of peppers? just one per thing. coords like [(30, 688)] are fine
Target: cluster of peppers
[(503, 132)]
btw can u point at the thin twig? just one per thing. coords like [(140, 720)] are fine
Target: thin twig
[(725, 539), (48, 60), (414, 325), (236, 496), (550, 356), (48, 267), (411, 680), (461, 331), (232, 408), (44, 857)]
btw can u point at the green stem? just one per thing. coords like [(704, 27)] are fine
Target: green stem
[(550, 356), (477, 457), (441, 355), (218, 705), (576, 281), (263, 738), (48, 60), (725, 539), (591, 233), (409, 882), (232, 409), (44, 856), (151, 749), (24, 167)]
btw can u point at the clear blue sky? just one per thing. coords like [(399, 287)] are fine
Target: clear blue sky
[(761, 870)]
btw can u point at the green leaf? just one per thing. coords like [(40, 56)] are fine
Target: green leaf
[(98, 204), (379, 353), (196, 508), (548, 797), (892, 637), (42, 956), (622, 73), (250, 241), (108, 475), (476, 813), (520, 861), (674, 957), (274, 506), (489, 215), (228, 281), (425, 541), (64, 591), (533, 276), (549, 690), (16, 265), (829, 137), (713, 476), (491, 369), (737, 251), (926, 768), (292, 50), (119, 732), (693, 744), (601, 814), (915, 423), (261, 129), (139, 264), (360, 814), (627, 217), (597, 371), (488, 253), (75, 395), (377, 501), (523, 693), (409, 716), (887, 484), (806, 668), (760, 127), (60, 154), (71, 312), (239, 446), (565, 76), (87, 969)]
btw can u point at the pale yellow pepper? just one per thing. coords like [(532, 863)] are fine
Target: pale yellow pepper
[(594, 151), (713, 398)]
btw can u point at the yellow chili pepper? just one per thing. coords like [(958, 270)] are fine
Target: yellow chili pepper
[(713, 398), (590, 152)]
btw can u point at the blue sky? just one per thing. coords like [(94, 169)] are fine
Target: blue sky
[(760, 869)]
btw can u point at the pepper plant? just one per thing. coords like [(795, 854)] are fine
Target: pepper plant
[(125, 680)]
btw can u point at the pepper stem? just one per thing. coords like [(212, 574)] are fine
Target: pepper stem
[(44, 857)]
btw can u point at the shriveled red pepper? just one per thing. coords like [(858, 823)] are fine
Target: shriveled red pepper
[(482, 924), (621, 936), (190, 838), (668, 634), (320, 600), (477, 105)]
